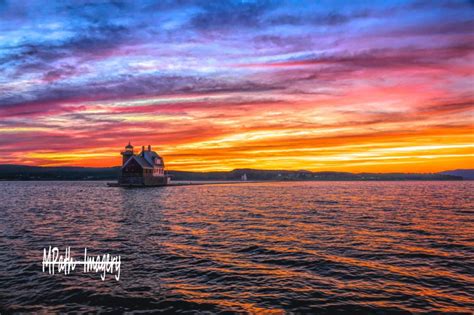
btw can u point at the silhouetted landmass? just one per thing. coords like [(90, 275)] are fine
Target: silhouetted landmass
[(272, 175), (465, 174), (22, 172)]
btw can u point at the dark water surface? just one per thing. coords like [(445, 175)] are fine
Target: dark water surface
[(309, 247)]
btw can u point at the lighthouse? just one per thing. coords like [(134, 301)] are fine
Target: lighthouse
[(128, 153), (146, 168)]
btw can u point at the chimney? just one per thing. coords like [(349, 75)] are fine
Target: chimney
[(143, 150), (149, 147)]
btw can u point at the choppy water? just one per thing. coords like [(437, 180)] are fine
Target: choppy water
[(321, 247)]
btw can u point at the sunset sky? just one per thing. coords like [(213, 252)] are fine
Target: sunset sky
[(379, 86)]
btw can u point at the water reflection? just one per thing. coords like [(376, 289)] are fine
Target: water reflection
[(274, 247)]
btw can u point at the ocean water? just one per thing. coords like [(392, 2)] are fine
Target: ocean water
[(303, 247)]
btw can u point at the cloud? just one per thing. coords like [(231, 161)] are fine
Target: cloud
[(440, 108), (217, 15), (321, 19), (232, 81), (56, 98), (380, 58)]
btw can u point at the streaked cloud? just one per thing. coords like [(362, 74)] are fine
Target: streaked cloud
[(385, 86)]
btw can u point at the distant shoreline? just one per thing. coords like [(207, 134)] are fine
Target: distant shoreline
[(36, 173), (205, 182)]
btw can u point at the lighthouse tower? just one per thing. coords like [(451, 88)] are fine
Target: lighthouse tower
[(128, 153)]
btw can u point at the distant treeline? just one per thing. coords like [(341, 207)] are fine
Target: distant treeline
[(21, 172), (274, 175)]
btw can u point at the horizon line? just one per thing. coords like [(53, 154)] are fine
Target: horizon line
[(245, 168)]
